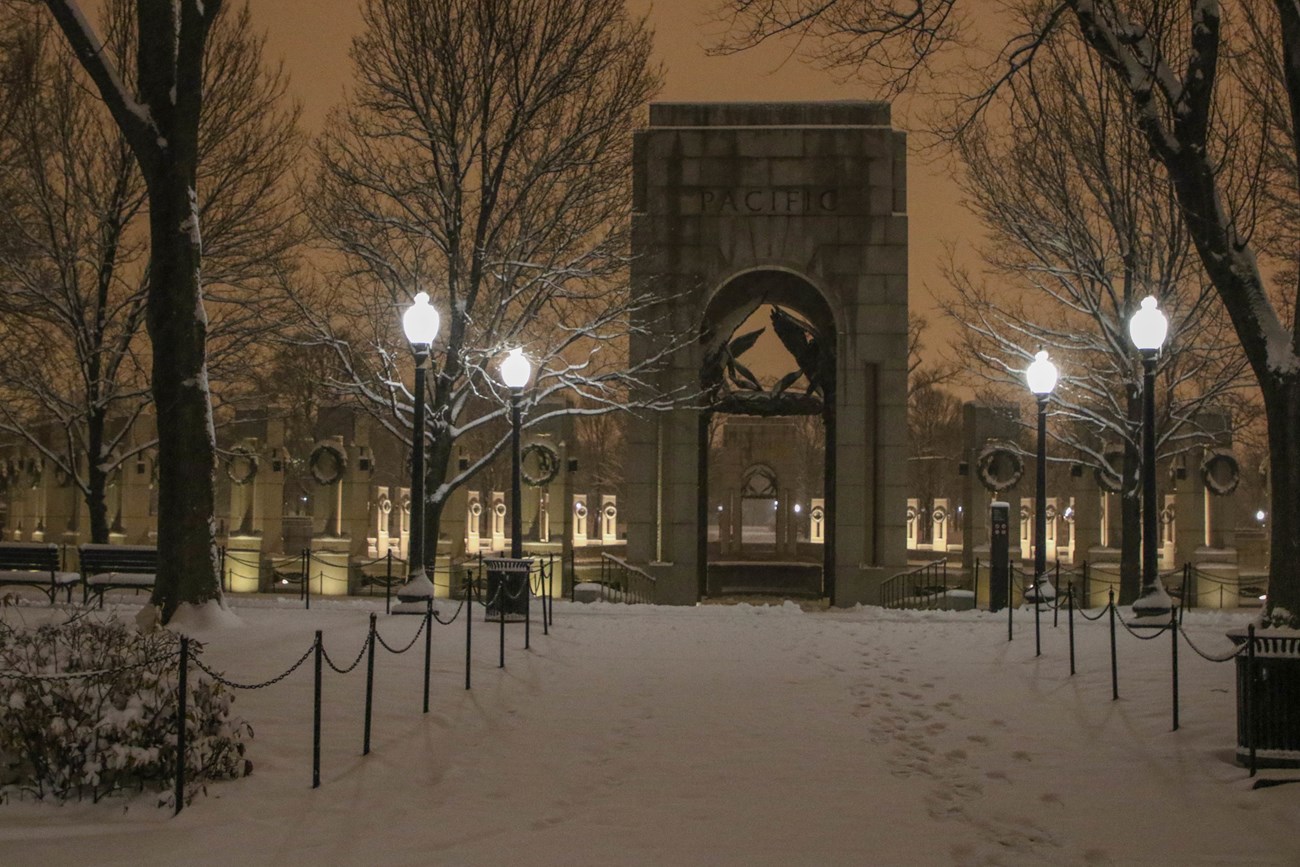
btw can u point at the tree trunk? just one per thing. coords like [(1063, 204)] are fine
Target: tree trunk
[(1282, 405), (96, 478), (187, 551)]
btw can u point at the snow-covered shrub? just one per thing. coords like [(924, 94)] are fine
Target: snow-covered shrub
[(89, 707)]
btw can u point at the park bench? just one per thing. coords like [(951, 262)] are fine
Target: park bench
[(109, 567), (35, 564)]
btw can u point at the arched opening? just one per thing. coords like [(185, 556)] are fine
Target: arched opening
[(768, 377)]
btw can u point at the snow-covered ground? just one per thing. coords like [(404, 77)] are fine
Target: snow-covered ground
[(713, 735)]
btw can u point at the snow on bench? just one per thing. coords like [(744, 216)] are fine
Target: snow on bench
[(35, 564), (108, 567)]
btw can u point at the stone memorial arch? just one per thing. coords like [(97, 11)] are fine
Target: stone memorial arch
[(798, 209)]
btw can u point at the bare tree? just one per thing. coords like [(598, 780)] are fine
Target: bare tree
[(76, 280), (1190, 95), (483, 159), (1080, 229), (158, 112)]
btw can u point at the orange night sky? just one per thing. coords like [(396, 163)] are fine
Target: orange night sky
[(312, 37)]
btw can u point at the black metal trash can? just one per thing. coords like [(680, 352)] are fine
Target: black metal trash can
[(1268, 704), (507, 587)]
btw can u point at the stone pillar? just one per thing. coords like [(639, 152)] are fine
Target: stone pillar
[(328, 464), (983, 424), (498, 520), (1169, 532), (473, 521), (608, 519), (330, 550), (913, 523), (379, 532), (817, 521), (1053, 516), (1026, 528), (243, 467), (403, 523), (579, 520), (940, 519)]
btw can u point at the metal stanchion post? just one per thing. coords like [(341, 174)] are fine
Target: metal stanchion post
[(1069, 600), (181, 700), (469, 622), (315, 724), (428, 647), (1056, 607), (370, 685), (1173, 630), (1038, 630), (1114, 665), (1251, 710)]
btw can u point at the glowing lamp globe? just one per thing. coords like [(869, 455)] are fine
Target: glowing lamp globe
[(515, 370), (1041, 374), (421, 321), (1148, 327)]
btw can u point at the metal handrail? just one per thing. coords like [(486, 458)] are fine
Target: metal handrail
[(637, 585), (897, 590)]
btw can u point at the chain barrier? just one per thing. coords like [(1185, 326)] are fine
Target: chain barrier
[(409, 645), (518, 594), (219, 678), (1155, 633), (1083, 612), (1207, 657), (355, 662), (442, 622), (231, 558)]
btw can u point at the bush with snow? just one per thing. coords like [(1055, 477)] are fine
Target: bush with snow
[(87, 708)]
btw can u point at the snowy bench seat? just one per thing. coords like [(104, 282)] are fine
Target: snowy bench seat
[(109, 567), (35, 564)]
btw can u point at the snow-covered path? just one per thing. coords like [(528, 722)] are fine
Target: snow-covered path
[(714, 735)]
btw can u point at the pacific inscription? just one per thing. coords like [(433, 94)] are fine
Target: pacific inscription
[(768, 200)]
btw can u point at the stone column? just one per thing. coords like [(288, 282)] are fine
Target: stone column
[(244, 468), (608, 519), (473, 521), (982, 423), (817, 521), (1053, 516), (913, 523), (500, 510), (580, 518), (940, 519)]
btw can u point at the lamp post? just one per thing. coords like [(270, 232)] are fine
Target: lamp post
[(515, 371), (1147, 329), (420, 322), (1041, 379)]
